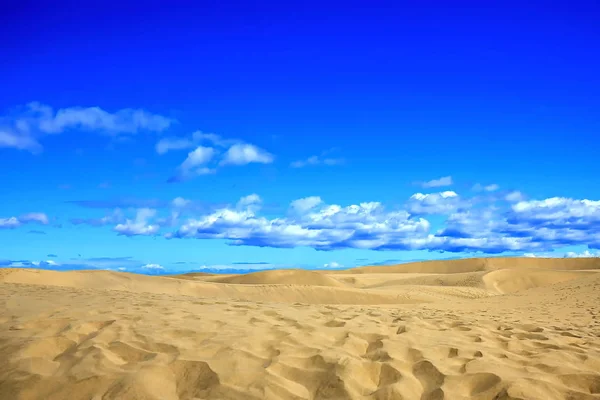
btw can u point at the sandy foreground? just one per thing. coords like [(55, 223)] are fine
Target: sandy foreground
[(468, 329)]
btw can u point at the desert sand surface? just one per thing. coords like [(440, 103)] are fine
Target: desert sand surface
[(497, 328)]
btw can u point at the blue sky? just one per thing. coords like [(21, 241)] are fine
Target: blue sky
[(243, 137)]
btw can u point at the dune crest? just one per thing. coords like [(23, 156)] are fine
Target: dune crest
[(285, 277)]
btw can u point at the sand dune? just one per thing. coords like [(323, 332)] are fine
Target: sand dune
[(286, 277), (469, 330), (481, 264)]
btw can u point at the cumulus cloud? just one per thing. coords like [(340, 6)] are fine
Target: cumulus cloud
[(584, 254), (305, 204), (366, 225), (23, 128), (242, 154), (333, 265), (443, 181), (211, 151), (531, 227), (557, 213), (139, 225), (251, 202), (15, 222), (433, 203), (152, 266), (195, 164)]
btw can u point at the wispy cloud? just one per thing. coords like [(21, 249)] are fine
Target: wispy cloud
[(120, 203), (251, 263), (15, 222), (440, 182), (487, 188), (128, 264), (323, 159), (116, 217), (23, 128), (305, 204), (197, 138)]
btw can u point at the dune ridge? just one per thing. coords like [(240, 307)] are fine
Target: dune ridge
[(473, 330)]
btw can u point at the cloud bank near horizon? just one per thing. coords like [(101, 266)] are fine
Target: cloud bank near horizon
[(488, 224)]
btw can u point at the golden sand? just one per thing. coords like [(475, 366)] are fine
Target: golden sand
[(498, 328)]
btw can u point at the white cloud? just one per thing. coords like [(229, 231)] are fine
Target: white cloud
[(487, 188), (19, 140), (180, 202), (305, 204), (214, 139), (94, 118), (15, 222), (181, 143), (362, 226), (558, 211), (34, 217), (51, 263), (9, 223), (140, 225), (193, 164), (206, 171), (584, 254), (242, 154), (201, 161), (21, 130), (167, 144), (250, 202), (434, 203), (514, 196), (333, 265), (443, 181), (535, 227), (152, 266)]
